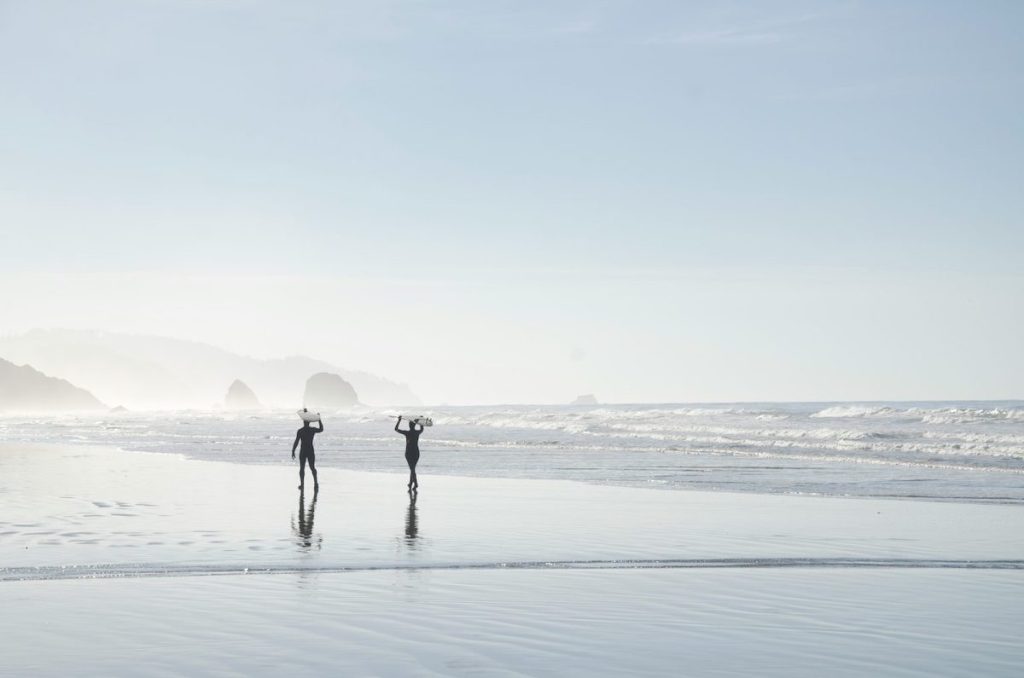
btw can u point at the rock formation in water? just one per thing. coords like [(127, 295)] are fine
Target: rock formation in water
[(325, 390), (145, 372), (241, 397), (586, 399), (23, 388)]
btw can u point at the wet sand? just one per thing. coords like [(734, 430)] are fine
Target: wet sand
[(109, 560)]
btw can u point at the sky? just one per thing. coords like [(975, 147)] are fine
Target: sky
[(527, 201)]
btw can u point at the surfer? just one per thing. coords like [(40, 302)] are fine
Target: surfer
[(306, 454), (412, 450)]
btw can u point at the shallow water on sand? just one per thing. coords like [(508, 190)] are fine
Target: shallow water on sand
[(128, 563), (77, 511)]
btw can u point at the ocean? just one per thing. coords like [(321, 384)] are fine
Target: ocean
[(953, 451)]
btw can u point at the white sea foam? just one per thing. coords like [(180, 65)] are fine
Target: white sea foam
[(843, 411), (968, 415), (939, 415)]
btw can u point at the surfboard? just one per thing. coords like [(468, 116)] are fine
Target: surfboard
[(306, 415), (422, 421)]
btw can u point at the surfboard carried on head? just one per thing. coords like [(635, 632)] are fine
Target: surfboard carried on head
[(416, 419), (307, 416)]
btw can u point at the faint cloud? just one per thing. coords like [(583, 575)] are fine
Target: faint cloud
[(723, 37), (740, 35), (578, 27)]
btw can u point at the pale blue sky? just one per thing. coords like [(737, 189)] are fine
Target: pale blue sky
[(648, 200)]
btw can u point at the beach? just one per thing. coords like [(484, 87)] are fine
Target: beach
[(121, 562), (644, 339)]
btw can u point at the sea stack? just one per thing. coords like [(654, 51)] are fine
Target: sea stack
[(586, 399), (325, 390), (241, 397)]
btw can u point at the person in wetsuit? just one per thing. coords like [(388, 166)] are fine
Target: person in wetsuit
[(306, 454), (412, 450)]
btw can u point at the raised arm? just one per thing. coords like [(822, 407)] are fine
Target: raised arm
[(321, 429), (397, 423)]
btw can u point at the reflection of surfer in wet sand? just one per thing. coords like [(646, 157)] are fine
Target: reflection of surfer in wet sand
[(412, 450), (304, 529), (306, 454), (412, 528)]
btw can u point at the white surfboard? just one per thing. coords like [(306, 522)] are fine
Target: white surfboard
[(306, 415), (422, 421)]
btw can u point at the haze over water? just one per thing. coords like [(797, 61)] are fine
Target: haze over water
[(523, 202)]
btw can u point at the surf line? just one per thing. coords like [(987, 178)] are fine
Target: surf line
[(135, 570)]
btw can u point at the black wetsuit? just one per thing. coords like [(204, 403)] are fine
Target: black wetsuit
[(304, 436), (412, 451), (412, 446)]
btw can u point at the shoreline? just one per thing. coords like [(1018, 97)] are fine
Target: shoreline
[(286, 461), (185, 456), (958, 453)]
